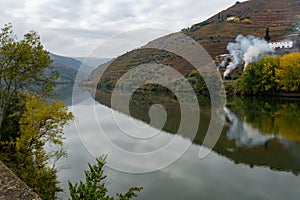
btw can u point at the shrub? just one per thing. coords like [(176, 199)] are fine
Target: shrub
[(93, 188)]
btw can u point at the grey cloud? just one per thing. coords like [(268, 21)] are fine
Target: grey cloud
[(81, 24)]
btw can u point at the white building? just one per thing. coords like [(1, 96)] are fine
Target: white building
[(281, 45), (229, 19)]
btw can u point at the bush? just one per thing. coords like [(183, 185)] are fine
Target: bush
[(236, 20), (246, 21), (93, 188)]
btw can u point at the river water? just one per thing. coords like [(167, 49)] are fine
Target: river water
[(256, 157)]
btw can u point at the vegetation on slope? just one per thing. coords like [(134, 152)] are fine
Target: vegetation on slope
[(270, 76)]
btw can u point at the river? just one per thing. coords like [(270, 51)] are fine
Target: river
[(255, 157)]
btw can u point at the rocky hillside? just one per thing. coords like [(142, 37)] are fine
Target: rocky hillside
[(247, 18), (12, 187)]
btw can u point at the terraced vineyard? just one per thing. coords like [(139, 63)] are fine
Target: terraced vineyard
[(280, 16), (254, 16)]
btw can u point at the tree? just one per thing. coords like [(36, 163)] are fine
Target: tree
[(259, 77), (270, 65), (41, 123), (272, 75), (28, 122), (236, 19), (267, 35), (198, 83), (24, 65), (93, 188), (246, 21), (288, 75)]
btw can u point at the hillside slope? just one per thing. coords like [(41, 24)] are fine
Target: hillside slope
[(67, 67), (282, 18), (252, 18)]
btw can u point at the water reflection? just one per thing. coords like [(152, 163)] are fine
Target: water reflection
[(280, 117), (243, 133), (218, 176), (259, 132)]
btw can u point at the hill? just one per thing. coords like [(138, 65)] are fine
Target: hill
[(67, 67), (92, 61), (252, 18), (247, 18)]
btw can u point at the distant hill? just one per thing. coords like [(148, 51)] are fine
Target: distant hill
[(68, 67), (252, 17), (92, 61)]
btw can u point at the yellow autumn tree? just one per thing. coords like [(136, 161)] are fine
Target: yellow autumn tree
[(40, 124), (288, 75)]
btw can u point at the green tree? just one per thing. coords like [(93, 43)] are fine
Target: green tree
[(259, 77), (270, 65), (94, 188), (28, 122), (271, 75), (198, 83), (24, 65), (267, 35)]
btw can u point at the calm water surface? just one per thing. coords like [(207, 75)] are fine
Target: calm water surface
[(256, 157)]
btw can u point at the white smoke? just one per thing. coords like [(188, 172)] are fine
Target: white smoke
[(223, 63), (246, 49)]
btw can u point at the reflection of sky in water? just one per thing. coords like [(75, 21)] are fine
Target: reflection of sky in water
[(243, 133), (99, 132), (214, 177)]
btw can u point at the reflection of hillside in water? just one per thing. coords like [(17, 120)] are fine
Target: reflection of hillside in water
[(278, 117), (243, 133), (258, 132)]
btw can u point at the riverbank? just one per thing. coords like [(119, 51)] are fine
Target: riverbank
[(233, 88), (11, 187)]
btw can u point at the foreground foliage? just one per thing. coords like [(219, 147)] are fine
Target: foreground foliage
[(28, 122), (94, 188)]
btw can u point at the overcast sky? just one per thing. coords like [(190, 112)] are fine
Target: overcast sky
[(76, 27)]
